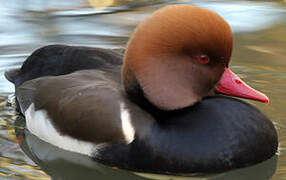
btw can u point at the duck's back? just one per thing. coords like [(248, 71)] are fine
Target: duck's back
[(54, 60)]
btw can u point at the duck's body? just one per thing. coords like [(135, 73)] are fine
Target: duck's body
[(73, 97)]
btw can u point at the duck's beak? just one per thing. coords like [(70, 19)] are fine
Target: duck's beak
[(231, 85)]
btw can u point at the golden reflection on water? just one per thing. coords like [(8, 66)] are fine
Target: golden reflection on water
[(12, 163), (101, 3), (109, 3), (114, 3), (19, 170)]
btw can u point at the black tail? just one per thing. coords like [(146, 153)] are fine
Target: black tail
[(12, 74)]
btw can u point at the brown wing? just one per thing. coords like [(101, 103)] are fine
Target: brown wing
[(85, 104)]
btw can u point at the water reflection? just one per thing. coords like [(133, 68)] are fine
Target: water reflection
[(246, 16), (258, 57)]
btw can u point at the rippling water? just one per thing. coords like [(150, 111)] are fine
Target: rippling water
[(259, 58)]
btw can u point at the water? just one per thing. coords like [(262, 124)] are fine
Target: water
[(259, 58)]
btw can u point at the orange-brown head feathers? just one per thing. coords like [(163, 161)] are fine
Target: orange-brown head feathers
[(177, 55)]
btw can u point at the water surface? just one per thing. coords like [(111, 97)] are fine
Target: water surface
[(259, 58)]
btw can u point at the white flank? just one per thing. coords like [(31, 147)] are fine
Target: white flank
[(38, 123), (127, 128)]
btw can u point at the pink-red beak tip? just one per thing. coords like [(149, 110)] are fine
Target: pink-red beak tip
[(230, 84)]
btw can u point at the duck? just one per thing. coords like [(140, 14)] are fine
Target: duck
[(164, 105)]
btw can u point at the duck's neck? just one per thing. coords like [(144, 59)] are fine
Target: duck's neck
[(136, 95)]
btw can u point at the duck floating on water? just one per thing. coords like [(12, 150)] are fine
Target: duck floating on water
[(154, 108)]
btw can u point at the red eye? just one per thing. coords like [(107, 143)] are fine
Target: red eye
[(204, 59)]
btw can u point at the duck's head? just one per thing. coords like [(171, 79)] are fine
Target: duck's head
[(181, 54)]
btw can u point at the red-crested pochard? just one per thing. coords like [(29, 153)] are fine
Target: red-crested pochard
[(158, 110)]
